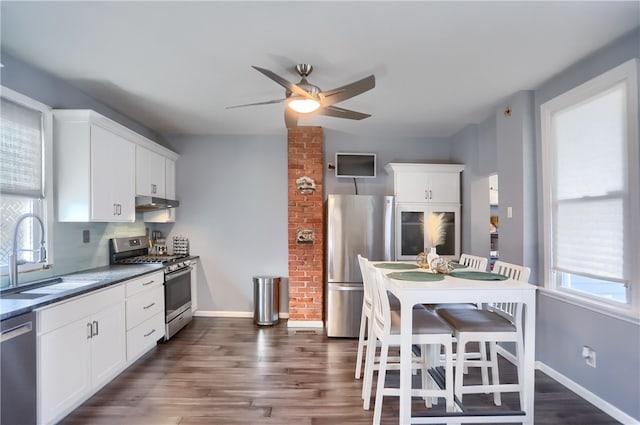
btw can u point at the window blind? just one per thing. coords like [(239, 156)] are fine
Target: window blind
[(21, 145), (590, 190)]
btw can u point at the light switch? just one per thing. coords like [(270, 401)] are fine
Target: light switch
[(509, 212), (85, 236)]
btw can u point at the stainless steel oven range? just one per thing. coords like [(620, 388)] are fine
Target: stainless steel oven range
[(177, 277)]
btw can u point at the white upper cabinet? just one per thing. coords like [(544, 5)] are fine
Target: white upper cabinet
[(95, 168), (168, 215), (426, 183), (101, 166), (170, 178), (150, 173)]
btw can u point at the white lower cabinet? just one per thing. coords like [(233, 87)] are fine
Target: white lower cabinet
[(144, 314), (81, 347)]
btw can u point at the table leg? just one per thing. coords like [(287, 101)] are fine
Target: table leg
[(406, 326)]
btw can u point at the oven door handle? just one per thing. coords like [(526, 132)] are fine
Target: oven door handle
[(174, 275)]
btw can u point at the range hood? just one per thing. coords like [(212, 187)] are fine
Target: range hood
[(151, 203)]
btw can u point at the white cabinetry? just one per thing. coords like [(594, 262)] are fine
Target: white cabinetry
[(81, 347), (150, 173), (167, 215), (420, 190), (144, 314), (95, 168)]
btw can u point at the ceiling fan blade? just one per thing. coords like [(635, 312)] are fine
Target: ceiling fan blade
[(334, 111), (339, 94), (290, 118), (268, 102), (284, 83)]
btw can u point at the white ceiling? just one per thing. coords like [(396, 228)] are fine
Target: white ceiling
[(175, 66)]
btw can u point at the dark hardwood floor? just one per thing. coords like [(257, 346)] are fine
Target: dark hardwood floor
[(229, 371)]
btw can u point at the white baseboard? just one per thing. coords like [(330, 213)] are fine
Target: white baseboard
[(598, 402), (236, 314), (318, 324)]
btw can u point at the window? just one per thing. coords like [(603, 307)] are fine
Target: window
[(591, 190), (25, 182)]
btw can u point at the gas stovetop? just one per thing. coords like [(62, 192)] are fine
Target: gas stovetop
[(151, 259), (135, 250)]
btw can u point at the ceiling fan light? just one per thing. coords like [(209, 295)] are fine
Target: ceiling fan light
[(304, 106)]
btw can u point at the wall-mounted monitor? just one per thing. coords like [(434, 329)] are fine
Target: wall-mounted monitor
[(355, 165)]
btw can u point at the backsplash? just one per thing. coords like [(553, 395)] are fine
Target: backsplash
[(70, 254)]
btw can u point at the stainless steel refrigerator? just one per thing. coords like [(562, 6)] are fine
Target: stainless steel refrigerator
[(356, 224)]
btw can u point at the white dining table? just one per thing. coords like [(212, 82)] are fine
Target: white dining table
[(457, 290)]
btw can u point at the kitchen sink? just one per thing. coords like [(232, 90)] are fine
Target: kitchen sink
[(56, 286)]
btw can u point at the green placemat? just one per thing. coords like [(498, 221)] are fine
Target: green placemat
[(458, 265), (478, 275), (416, 276), (396, 266)]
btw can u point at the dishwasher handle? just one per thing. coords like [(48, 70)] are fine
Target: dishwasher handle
[(16, 331)]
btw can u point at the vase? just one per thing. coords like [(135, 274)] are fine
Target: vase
[(432, 255)]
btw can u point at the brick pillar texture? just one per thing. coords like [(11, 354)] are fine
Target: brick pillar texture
[(306, 265)]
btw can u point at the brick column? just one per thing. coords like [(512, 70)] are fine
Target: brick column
[(306, 217)]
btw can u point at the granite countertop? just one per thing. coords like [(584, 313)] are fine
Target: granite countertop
[(100, 277)]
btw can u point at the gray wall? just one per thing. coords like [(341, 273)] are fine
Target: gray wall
[(466, 149), (233, 209), (387, 150), (516, 159), (563, 328)]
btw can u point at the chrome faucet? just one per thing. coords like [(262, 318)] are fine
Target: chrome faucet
[(13, 258)]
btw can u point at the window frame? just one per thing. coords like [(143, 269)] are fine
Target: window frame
[(48, 184), (626, 73)]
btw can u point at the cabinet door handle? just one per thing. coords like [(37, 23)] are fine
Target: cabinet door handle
[(119, 209), (149, 306), (430, 194), (96, 328), (89, 330), (148, 283), (426, 194), (115, 209), (152, 331), (154, 188)]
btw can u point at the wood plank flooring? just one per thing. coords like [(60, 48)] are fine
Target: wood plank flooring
[(229, 371)]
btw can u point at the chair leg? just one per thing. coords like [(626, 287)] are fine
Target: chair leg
[(425, 359), (483, 365), (448, 375), (382, 372), (519, 360), (459, 368), (361, 342), (495, 373), (367, 382)]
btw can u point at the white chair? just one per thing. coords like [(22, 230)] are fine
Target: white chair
[(474, 262), (498, 322), (365, 316), (428, 329)]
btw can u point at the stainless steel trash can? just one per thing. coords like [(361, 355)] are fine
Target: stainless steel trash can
[(266, 300)]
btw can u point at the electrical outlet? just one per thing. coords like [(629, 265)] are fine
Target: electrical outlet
[(85, 236), (589, 356)]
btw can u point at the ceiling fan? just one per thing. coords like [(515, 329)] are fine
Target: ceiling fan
[(305, 98)]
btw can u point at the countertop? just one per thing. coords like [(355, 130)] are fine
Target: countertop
[(104, 276)]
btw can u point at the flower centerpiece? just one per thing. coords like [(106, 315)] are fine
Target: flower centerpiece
[(435, 234)]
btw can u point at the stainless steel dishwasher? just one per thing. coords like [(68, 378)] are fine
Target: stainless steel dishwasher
[(18, 370)]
